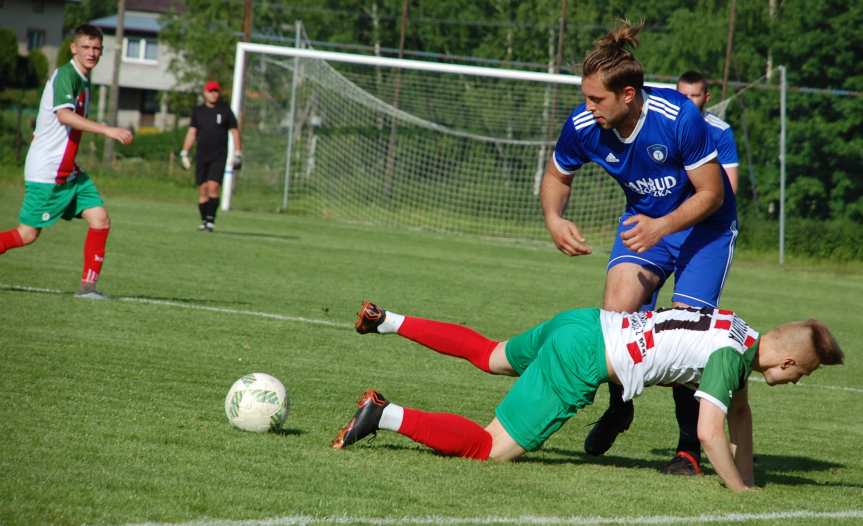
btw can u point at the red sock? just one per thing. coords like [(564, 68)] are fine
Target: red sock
[(447, 433), (10, 239), (451, 339), (94, 254)]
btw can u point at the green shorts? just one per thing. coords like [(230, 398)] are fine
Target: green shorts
[(561, 364), (45, 203)]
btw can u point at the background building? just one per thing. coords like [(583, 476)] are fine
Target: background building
[(144, 75), (38, 24)]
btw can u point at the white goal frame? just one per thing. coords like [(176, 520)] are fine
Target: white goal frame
[(296, 52)]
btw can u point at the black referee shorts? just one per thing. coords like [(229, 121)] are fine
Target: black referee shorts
[(210, 170)]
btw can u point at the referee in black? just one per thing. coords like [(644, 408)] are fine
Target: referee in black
[(210, 124)]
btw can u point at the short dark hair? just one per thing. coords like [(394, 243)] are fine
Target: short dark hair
[(692, 77), (87, 30)]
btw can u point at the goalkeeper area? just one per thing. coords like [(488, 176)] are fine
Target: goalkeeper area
[(442, 147)]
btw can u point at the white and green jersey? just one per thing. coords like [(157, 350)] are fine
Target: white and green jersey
[(51, 157), (711, 350)]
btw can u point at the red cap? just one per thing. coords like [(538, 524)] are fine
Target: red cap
[(212, 85)]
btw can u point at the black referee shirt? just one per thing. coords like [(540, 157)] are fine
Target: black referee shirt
[(213, 125)]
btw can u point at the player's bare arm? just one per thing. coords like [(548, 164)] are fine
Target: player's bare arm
[(732, 173), (740, 431), (711, 434), (708, 197), (554, 194), (67, 117)]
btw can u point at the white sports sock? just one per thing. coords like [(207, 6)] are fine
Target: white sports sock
[(391, 418), (391, 323)]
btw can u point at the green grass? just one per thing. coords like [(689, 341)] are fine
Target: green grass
[(112, 412)]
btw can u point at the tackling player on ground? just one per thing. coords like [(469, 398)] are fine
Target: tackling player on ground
[(680, 217), (54, 185), (561, 362)]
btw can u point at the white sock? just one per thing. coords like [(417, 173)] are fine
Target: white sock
[(391, 419), (391, 323)]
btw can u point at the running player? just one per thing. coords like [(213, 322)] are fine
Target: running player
[(562, 361), (694, 86), (680, 217), (54, 185)]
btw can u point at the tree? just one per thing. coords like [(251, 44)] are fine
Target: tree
[(204, 38), (8, 57), (77, 13)]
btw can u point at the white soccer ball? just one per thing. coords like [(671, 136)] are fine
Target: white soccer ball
[(257, 402)]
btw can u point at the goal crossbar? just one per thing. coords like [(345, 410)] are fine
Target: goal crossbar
[(243, 48)]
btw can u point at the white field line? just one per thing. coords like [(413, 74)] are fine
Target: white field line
[(192, 306), (299, 319), (439, 520)]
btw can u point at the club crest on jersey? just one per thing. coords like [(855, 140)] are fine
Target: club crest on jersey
[(658, 152)]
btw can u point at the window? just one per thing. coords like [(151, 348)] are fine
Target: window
[(38, 6), (140, 49), (35, 39)]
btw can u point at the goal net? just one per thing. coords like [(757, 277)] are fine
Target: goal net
[(443, 147)]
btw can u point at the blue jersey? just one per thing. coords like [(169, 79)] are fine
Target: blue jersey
[(723, 138), (671, 137)]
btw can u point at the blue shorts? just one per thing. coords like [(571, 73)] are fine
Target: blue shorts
[(699, 257)]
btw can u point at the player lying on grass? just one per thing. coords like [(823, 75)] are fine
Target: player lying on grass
[(561, 362)]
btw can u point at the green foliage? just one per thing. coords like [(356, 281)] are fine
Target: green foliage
[(40, 66), (205, 35), (8, 57), (64, 52), (77, 13)]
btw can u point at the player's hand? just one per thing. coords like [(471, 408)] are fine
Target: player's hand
[(567, 238), (645, 234), (184, 160), (238, 160), (121, 135)]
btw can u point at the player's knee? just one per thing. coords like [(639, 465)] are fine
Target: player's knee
[(98, 218), (28, 234)]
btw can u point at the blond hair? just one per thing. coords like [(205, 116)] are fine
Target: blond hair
[(612, 57)]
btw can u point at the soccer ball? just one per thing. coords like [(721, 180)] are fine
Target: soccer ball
[(257, 402)]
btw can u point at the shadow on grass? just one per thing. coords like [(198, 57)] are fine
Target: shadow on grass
[(191, 301), (258, 234), (292, 431)]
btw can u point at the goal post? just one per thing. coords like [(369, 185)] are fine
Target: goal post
[(438, 146)]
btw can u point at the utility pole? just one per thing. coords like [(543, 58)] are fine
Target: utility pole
[(771, 10), (247, 21), (729, 46), (108, 150), (558, 57), (389, 174)]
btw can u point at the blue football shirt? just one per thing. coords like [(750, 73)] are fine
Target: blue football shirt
[(671, 137), (723, 138)]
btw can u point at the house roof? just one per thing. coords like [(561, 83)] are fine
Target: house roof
[(154, 6), (140, 22)]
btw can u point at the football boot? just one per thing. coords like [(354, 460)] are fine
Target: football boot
[(369, 318), (365, 421)]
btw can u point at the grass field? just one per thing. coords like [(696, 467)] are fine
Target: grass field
[(112, 412)]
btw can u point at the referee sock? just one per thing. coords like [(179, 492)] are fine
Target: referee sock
[(94, 254), (212, 207), (447, 433), (202, 209), (450, 339), (10, 239)]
